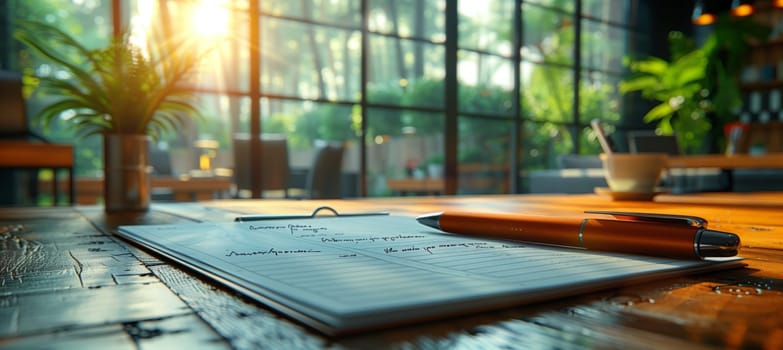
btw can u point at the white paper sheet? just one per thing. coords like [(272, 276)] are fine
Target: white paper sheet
[(348, 274)]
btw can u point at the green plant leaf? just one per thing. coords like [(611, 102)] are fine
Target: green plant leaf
[(661, 111), (638, 83), (650, 65)]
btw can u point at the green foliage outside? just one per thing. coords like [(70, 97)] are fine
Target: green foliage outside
[(81, 22), (546, 100)]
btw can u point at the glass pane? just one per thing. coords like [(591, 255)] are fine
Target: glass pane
[(598, 98), (588, 142), (486, 25), (639, 44), (306, 123), (548, 36), (403, 145), (547, 93), (423, 19), (603, 46), (309, 61), (486, 83), (615, 11), (220, 115), (565, 5), (223, 116), (225, 67), (340, 12), (88, 22), (406, 71), (543, 143), (218, 29), (483, 154)]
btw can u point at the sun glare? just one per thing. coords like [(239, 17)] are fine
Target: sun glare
[(210, 24), (210, 20), (141, 22)]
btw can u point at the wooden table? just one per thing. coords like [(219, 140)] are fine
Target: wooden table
[(734, 161), (727, 163), (89, 190), (35, 155), (427, 185), (194, 188), (67, 281), (480, 177)]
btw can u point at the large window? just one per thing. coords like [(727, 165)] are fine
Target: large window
[(570, 68), (92, 23), (515, 91)]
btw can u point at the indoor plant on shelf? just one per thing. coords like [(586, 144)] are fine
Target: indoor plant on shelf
[(698, 89), (123, 92)]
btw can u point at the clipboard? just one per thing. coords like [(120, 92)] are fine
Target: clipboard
[(350, 273)]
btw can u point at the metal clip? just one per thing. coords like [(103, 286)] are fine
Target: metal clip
[(330, 209), (305, 216), (650, 217)]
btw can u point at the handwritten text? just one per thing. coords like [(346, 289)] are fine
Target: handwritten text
[(272, 251), (265, 227), (431, 248), (306, 228), (369, 239)]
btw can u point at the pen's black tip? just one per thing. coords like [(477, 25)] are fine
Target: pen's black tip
[(431, 220), (718, 244)]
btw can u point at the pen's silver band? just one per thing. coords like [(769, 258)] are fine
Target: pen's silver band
[(581, 236)]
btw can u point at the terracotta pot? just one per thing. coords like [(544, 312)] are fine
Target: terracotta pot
[(126, 172)]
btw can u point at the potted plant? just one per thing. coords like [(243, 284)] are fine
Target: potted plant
[(123, 92), (697, 90)]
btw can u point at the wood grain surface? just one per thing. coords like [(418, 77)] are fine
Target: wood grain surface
[(67, 282)]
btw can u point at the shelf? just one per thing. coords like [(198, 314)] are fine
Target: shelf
[(761, 85), (777, 41)]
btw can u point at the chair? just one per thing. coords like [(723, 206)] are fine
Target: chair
[(13, 124), (274, 164), (160, 160), (579, 161), (20, 184), (160, 163), (325, 175), (649, 142)]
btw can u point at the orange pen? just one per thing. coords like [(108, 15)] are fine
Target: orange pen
[(674, 236)]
